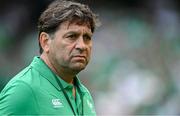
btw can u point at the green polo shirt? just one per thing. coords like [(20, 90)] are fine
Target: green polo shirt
[(35, 91)]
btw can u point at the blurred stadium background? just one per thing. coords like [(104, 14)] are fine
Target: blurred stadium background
[(135, 65)]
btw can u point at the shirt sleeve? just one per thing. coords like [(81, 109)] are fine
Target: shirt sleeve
[(18, 99)]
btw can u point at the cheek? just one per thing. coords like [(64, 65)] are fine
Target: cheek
[(66, 51), (90, 47), (89, 50)]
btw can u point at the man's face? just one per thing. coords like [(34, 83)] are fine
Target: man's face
[(70, 47)]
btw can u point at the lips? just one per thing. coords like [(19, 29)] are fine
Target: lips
[(79, 57)]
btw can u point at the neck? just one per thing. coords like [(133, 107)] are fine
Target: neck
[(65, 75)]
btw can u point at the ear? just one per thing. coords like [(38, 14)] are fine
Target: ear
[(44, 41)]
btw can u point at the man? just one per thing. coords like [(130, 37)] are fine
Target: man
[(49, 85)]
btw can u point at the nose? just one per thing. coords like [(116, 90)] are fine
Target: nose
[(80, 44)]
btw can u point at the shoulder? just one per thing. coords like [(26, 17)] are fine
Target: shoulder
[(17, 95), (16, 90), (16, 98)]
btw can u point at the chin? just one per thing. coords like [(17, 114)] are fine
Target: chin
[(78, 67)]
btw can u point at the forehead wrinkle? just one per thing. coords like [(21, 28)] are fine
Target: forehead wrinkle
[(79, 30), (66, 27)]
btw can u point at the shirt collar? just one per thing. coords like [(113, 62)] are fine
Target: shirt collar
[(80, 85), (47, 73), (39, 65)]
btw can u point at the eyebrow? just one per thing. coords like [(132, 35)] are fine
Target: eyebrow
[(87, 34), (77, 32)]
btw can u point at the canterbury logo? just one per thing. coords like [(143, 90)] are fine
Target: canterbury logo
[(56, 103)]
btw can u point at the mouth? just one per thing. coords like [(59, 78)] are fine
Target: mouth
[(79, 57)]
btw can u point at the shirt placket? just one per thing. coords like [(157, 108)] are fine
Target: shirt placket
[(72, 99)]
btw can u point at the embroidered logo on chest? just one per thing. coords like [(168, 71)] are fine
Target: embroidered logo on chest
[(57, 103)]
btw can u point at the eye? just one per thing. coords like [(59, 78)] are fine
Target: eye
[(87, 37), (72, 36)]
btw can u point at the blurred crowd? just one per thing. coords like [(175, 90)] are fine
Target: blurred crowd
[(136, 54)]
